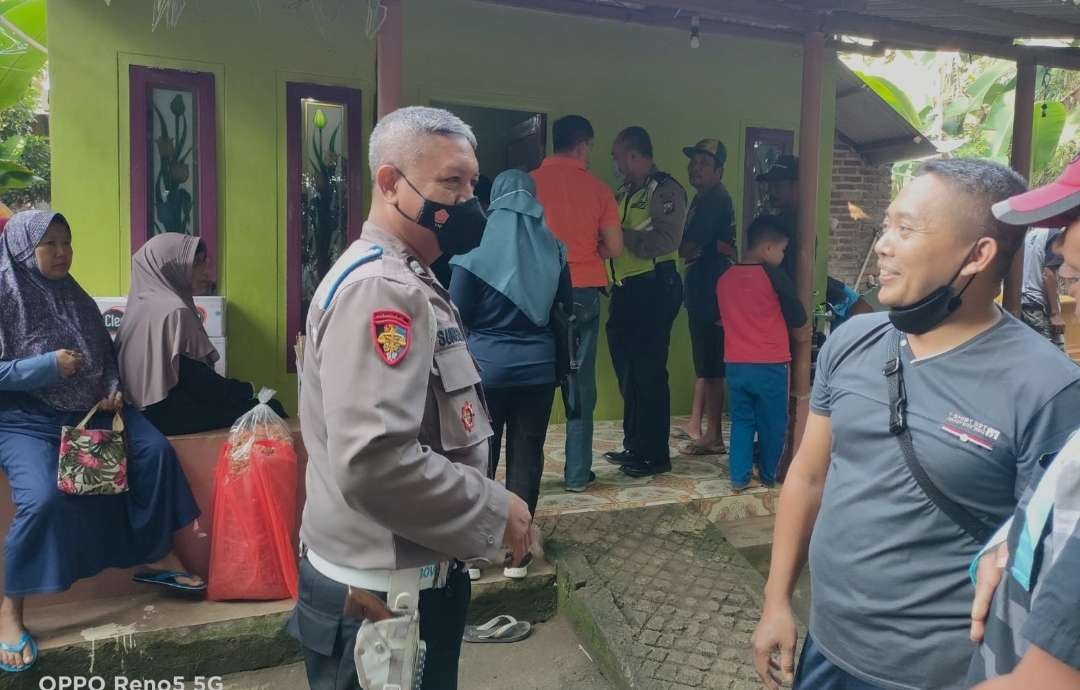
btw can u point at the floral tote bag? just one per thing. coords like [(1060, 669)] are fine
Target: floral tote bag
[(92, 461)]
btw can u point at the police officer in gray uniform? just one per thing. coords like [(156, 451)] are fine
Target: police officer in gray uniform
[(393, 417)]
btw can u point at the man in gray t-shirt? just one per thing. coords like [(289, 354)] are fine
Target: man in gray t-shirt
[(1039, 303), (891, 603)]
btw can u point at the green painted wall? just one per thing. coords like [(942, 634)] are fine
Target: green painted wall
[(617, 75), (252, 55), (455, 51)]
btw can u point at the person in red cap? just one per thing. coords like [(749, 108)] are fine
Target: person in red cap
[(1026, 612)]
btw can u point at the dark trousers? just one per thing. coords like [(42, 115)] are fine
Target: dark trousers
[(523, 413), (328, 636), (816, 672), (640, 318)]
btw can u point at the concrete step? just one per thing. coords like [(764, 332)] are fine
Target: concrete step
[(155, 636)]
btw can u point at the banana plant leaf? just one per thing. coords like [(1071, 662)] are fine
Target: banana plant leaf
[(12, 147), (1049, 123), (894, 96), (956, 113), (982, 91), (1048, 126), (18, 70), (999, 127)]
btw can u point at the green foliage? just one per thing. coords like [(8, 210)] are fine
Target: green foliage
[(25, 168), (19, 67), (894, 96), (973, 113)]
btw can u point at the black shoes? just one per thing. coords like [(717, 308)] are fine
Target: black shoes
[(637, 467), (620, 457)]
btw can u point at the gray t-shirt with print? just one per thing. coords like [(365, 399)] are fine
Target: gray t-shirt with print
[(891, 599)]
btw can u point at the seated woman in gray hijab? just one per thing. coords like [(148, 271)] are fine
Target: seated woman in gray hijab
[(166, 358)]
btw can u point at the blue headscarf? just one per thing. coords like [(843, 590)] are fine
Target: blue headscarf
[(518, 255)]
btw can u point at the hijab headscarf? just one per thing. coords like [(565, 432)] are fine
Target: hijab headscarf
[(518, 255), (38, 315), (161, 323)]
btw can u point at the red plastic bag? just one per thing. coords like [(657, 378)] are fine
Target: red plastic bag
[(254, 514)]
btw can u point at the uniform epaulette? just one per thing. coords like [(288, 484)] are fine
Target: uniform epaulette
[(376, 252), (663, 178)]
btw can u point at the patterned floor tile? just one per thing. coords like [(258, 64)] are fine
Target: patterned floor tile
[(702, 478)]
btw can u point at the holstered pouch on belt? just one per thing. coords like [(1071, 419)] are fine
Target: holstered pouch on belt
[(389, 653)]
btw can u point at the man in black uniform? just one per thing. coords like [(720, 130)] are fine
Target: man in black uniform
[(645, 300), (708, 247), (783, 181)]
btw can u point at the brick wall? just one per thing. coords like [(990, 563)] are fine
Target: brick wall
[(870, 188)]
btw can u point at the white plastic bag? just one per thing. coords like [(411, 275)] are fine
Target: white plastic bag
[(260, 423)]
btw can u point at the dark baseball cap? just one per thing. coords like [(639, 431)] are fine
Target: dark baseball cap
[(713, 147), (784, 169), (1052, 205)]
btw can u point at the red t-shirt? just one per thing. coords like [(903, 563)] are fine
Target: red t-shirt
[(757, 306), (576, 206)]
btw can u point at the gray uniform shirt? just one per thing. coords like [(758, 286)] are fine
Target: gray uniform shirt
[(393, 419), (1037, 256), (891, 599)]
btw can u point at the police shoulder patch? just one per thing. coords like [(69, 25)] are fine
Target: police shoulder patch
[(391, 330)]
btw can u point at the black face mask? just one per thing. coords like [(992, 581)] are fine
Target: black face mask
[(929, 312), (458, 227)]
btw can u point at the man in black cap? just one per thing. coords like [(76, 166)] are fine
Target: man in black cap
[(782, 179), (708, 247)]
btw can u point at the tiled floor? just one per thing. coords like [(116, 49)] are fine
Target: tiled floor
[(701, 478)]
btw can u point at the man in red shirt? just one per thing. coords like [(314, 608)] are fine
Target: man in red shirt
[(581, 211)]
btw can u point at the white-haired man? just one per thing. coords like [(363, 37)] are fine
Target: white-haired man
[(392, 414)]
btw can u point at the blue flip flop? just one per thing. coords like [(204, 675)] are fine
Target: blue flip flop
[(18, 649), (168, 578)]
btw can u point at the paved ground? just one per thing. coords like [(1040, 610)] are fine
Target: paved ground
[(687, 590), (549, 660), (688, 598), (753, 539)]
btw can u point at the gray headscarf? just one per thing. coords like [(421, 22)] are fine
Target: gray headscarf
[(161, 323), (39, 315)]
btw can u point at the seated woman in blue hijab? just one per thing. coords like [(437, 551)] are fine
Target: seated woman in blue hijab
[(505, 290), (56, 363)]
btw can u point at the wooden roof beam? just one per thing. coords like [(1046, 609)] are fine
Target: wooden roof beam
[(650, 18), (761, 12), (914, 36), (1017, 24)]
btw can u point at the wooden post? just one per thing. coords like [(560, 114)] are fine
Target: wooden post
[(388, 49), (1023, 121), (813, 81)]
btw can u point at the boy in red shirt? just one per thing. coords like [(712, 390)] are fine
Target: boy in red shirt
[(758, 305)]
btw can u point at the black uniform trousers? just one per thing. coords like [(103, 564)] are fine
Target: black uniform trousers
[(642, 312), (328, 636)]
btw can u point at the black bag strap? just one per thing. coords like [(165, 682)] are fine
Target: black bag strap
[(898, 427)]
